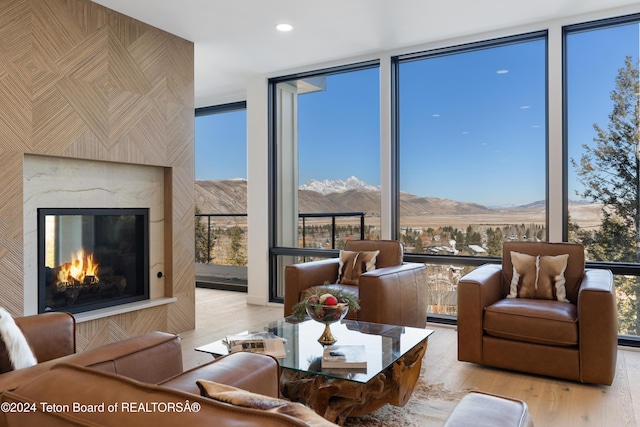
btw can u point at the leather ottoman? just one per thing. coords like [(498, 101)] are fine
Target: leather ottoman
[(482, 409)]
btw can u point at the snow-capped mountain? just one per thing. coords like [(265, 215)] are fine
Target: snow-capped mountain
[(336, 186)]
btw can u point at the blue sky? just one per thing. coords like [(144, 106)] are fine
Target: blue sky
[(594, 53), (469, 123), (475, 122), (221, 146), (339, 129)]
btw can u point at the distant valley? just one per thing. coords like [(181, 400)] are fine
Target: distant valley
[(230, 196)]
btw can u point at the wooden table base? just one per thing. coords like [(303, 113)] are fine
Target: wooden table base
[(337, 399)]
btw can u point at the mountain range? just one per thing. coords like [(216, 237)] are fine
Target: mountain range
[(230, 196), (337, 186), (353, 195)]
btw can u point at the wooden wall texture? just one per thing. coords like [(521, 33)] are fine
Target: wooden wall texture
[(79, 80)]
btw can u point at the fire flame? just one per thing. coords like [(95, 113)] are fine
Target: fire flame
[(80, 267)]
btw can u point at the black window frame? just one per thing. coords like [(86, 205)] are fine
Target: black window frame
[(277, 251)]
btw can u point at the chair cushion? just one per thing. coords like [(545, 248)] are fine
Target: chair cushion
[(525, 275), (551, 275), (539, 277), (575, 263), (546, 322), (353, 264), (391, 251)]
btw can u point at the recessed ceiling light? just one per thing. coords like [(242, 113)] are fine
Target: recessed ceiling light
[(284, 27)]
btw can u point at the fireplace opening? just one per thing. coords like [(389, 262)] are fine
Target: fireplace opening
[(92, 258)]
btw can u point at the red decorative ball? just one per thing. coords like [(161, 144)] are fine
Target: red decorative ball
[(331, 300)]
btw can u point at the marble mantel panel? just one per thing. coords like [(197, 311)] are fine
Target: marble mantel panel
[(54, 182)]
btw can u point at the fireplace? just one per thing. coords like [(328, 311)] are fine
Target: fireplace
[(92, 258)]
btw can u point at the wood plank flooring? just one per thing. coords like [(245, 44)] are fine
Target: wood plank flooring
[(552, 402), (220, 313)]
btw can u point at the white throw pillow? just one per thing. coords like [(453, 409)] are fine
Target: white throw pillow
[(18, 348)]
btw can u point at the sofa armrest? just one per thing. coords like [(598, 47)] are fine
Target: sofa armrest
[(50, 335), (298, 277), (137, 403), (254, 372), (149, 358), (598, 327), (476, 290), (394, 295)]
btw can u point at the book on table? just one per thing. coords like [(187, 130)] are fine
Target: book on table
[(344, 357), (261, 342)]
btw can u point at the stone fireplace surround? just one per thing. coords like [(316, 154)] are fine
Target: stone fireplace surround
[(53, 182)]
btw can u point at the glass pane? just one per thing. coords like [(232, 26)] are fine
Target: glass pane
[(603, 160), (328, 159), (627, 298), (92, 258), (442, 285), (602, 130), (472, 129), (224, 132), (221, 192)]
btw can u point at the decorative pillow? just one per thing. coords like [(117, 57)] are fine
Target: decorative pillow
[(551, 276), (18, 349), (246, 399), (353, 264), (525, 272)]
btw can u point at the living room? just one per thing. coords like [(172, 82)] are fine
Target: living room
[(100, 100)]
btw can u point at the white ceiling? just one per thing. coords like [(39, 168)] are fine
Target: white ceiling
[(236, 39)]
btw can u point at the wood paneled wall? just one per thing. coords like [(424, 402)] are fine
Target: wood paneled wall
[(79, 80)]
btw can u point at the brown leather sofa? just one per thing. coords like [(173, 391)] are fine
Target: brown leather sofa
[(575, 340), (50, 335), (136, 372), (394, 293)]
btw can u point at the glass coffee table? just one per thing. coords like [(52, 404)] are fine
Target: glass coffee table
[(394, 359)]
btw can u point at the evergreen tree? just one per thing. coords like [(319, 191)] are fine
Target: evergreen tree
[(460, 239), (203, 239), (494, 242), (418, 244), (236, 253), (610, 173)]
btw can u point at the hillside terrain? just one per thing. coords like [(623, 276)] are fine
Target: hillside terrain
[(230, 196)]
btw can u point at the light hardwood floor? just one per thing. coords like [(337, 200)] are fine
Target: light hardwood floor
[(551, 402)]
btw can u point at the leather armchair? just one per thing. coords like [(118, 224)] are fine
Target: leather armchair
[(575, 340), (394, 293)]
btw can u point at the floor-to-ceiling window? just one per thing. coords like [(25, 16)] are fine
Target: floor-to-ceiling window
[(603, 152), (472, 145), (327, 157), (221, 194), (471, 154), (473, 166)]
